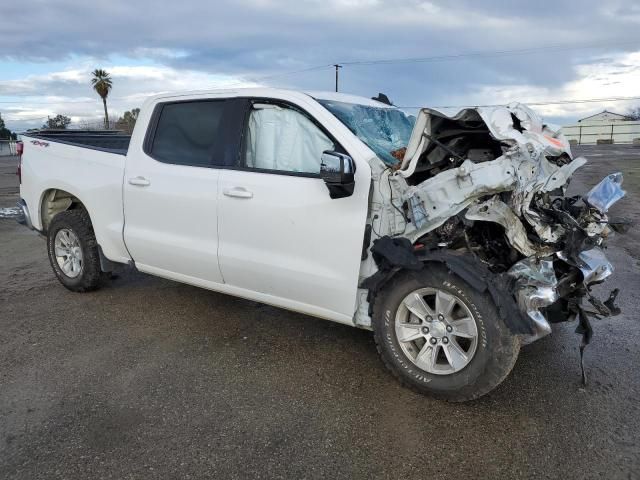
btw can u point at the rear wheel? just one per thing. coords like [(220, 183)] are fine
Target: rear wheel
[(73, 251), (441, 337)]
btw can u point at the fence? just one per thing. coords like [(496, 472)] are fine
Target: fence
[(7, 148), (620, 132)]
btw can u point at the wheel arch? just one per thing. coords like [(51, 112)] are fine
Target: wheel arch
[(56, 200), (469, 269)]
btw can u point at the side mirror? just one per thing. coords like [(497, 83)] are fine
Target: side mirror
[(337, 170)]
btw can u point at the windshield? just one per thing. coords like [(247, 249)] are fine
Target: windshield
[(383, 130)]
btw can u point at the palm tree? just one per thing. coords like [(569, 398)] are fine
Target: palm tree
[(101, 82)]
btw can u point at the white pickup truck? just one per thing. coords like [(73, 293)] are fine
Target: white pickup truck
[(450, 237)]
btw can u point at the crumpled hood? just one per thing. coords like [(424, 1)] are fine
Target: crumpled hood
[(500, 121), (523, 168)]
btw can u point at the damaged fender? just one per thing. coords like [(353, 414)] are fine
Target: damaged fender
[(396, 256)]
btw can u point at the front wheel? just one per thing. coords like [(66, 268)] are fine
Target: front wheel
[(441, 337), (73, 251)]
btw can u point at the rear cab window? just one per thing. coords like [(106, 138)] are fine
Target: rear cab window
[(199, 133)]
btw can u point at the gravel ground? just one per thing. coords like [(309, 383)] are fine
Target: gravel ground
[(149, 378)]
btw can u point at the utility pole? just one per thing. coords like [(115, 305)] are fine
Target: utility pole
[(337, 67)]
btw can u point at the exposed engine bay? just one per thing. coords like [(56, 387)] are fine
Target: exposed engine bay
[(491, 184)]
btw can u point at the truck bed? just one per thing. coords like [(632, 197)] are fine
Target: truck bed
[(87, 165), (113, 142)]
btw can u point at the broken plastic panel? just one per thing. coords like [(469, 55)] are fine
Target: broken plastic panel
[(594, 265), (606, 193), (529, 119), (534, 272)]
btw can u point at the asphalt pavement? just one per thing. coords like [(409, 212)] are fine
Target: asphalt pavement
[(148, 378)]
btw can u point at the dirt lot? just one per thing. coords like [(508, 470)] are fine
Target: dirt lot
[(149, 378)]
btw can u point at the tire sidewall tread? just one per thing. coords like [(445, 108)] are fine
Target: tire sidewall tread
[(496, 352), (79, 222)]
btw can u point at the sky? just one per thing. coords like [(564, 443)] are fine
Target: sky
[(488, 52)]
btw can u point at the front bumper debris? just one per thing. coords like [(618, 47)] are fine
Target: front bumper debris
[(536, 288)]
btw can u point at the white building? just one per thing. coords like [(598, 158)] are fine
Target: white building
[(604, 116), (603, 127)]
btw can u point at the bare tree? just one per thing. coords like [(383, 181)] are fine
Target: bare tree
[(90, 124), (634, 113)]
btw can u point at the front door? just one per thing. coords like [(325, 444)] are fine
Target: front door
[(281, 235)]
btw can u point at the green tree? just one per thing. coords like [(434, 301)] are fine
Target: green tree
[(59, 122), (5, 133), (102, 84), (128, 120)]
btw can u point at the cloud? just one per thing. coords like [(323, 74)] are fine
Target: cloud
[(199, 44), (69, 92), (611, 77)]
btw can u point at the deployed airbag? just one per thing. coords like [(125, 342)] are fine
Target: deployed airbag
[(284, 139)]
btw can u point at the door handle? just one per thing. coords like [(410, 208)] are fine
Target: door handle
[(238, 192), (139, 182)]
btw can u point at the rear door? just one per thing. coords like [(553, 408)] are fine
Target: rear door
[(281, 235), (171, 188)]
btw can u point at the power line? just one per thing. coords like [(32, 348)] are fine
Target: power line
[(275, 75), (437, 58), (538, 103), (532, 103), (458, 56)]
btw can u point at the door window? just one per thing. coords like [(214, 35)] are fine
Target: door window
[(189, 133), (283, 139)]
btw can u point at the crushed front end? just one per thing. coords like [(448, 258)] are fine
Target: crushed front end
[(492, 182)]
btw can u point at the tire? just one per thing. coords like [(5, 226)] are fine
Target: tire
[(89, 276), (489, 358)]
